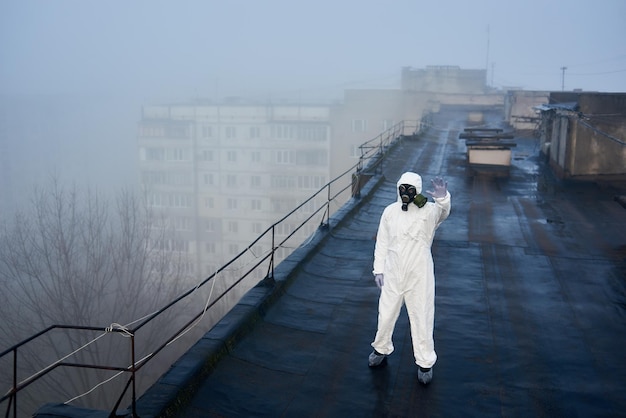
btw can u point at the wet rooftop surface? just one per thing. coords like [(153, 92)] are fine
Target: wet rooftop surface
[(530, 307)]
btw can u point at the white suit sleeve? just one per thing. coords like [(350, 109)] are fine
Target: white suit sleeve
[(444, 205), (382, 240)]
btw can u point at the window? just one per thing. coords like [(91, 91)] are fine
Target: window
[(285, 228), (359, 125), (172, 245), (312, 157), (210, 247), (284, 157), (231, 132), (180, 245), (181, 223), (154, 200), (153, 177), (209, 202), (152, 130), (176, 154), (231, 203), (283, 182), (231, 156), (207, 155), (208, 179), (155, 154), (311, 182), (173, 200), (283, 205), (179, 178), (255, 132), (175, 131), (255, 204), (179, 200), (255, 181), (277, 131), (207, 131), (312, 133), (233, 249), (255, 156), (257, 228), (209, 225), (231, 180), (233, 227), (283, 131), (355, 151)]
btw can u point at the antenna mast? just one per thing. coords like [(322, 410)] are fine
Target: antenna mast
[(487, 59)]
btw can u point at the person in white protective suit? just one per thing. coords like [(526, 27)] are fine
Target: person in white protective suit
[(404, 269)]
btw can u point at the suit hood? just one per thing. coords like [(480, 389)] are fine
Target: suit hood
[(411, 178)]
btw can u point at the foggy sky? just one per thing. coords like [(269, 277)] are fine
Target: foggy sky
[(187, 48), (75, 73)]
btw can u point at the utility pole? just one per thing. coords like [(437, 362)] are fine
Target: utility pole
[(563, 78), (487, 59)]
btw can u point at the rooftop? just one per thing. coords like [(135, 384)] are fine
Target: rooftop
[(530, 306)]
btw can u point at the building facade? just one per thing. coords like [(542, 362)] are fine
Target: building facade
[(220, 175), (519, 108), (583, 134)]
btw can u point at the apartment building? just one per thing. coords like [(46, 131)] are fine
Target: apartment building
[(220, 175)]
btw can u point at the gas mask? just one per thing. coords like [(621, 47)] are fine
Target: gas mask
[(408, 194)]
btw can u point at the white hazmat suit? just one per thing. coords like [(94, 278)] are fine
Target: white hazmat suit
[(403, 256)]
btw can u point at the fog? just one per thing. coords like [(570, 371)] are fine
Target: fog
[(74, 74)]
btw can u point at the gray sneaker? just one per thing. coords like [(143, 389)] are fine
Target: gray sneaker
[(376, 359), (425, 375)]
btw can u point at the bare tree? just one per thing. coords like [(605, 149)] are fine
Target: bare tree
[(74, 259)]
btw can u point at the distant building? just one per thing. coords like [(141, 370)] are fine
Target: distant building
[(583, 135), (221, 174), (224, 173), (446, 79), (519, 108), (439, 85), (366, 114)]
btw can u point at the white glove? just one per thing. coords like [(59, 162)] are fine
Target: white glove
[(380, 280), (440, 187)]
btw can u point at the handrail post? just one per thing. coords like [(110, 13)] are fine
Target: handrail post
[(133, 374), (14, 383), (382, 155), (273, 249), (356, 184), (328, 207)]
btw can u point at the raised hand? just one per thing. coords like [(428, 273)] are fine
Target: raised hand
[(440, 188)]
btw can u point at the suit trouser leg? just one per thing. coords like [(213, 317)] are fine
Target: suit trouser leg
[(421, 310), (389, 305)]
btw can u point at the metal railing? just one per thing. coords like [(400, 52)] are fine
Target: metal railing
[(354, 178)]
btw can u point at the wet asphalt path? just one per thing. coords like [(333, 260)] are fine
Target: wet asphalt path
[(530, 306)]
